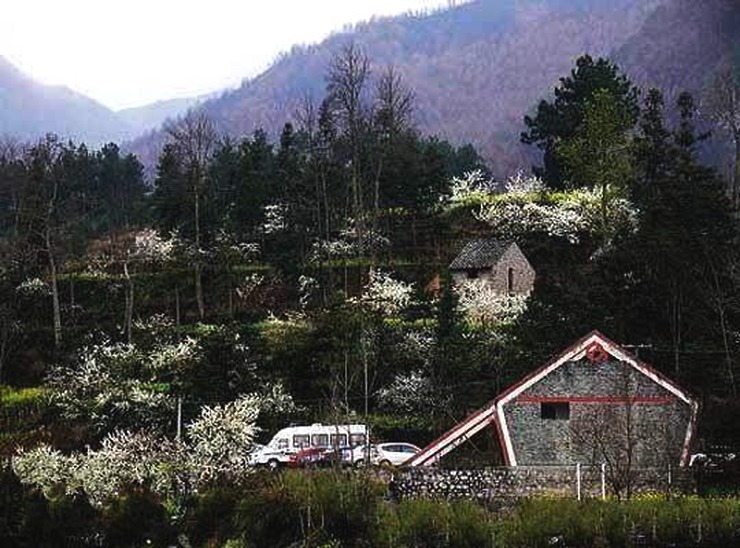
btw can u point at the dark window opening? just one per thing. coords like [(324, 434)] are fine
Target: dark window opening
[(510, 281), (559, 411), (472, 274)]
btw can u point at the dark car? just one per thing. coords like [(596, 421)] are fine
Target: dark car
[(308, 456)]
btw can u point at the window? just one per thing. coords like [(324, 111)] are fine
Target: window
[(472, 273), (301, 441), (559, 411), (320, 440), (510, 281), (339, 440), (356, 439), (282, 444)]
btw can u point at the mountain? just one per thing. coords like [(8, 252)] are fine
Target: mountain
[(476, 68), (144, 118), (29, 110), (682, 44)]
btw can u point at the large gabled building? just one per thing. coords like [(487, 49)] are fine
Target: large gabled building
[(593, 402)]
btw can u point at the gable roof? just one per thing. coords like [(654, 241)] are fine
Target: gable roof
[(481, 253), (493, 412)]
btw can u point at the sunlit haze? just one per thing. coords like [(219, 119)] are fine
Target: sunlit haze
[(139, 51)]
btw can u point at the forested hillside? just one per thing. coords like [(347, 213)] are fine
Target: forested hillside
[(474, 68)]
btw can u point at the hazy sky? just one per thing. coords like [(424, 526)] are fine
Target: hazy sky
[(132, 52)]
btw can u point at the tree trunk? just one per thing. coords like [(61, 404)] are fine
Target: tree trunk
[(198, 266), (177, 307), (54, 290), (129, 313)]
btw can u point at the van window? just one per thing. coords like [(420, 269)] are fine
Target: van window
[(356, 439), (320, 440), (282, 444), (301, 441), (339, 440)]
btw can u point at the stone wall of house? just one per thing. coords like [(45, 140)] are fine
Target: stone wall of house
[(512, 483), (655, 428)]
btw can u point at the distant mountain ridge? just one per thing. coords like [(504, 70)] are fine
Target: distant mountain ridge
[(28, 110), (476, 68)]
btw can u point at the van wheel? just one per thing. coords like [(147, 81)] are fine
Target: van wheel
[(273, 464), (385, 464), (359, 463)]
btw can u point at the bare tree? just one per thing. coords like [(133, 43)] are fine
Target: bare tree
[(348, 76), (621, 436), (723, 100), (195, 138), (392, 115)]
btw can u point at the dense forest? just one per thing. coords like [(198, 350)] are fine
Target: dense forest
[(257, 283)]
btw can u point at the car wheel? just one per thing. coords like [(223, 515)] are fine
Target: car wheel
[(385, 463), (359, 463), (273, 464)]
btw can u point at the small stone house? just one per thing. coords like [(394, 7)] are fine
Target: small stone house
[(592, 403), (500, 263)]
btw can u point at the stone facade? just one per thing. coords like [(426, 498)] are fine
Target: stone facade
[(592, 404), (609, 405), (507, 271)]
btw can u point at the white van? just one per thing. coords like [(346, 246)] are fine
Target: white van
[(291, 440)]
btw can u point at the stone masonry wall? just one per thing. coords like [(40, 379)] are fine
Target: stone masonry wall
[(512, 483), (655, 425)]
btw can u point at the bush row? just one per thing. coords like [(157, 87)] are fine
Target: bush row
[(332, 508)]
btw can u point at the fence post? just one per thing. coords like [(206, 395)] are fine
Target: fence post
[(603, 481), (670, 476), (578, 480)]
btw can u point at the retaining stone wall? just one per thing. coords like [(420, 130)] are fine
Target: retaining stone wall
[(510, 483)]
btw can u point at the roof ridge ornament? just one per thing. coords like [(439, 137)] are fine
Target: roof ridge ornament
[(596, 353)]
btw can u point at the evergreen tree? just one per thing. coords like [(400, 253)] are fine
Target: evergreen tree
[(560, 120)]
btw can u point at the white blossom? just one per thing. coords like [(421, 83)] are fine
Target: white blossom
[(471, 185), (126, 459), (149, 246), (175, 357), (409, 393), (483, 304), (222, 437), (385, 294), (567, 215), (524, 184), (307, 287), (274, 218), (47, 468), (33, 287), (249, 284)]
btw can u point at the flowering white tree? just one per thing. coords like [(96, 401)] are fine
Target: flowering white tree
[(48, 469), (385, 294), (222, 437), (113, 385), (127, 459), (216, 447), (470, 186), (521, 183), (410, 394), (566, 215), (482, 304)]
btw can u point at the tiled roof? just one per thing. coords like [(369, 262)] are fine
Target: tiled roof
[(481, 253)]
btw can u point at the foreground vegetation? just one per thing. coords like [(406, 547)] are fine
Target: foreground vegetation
[(327, 508)]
